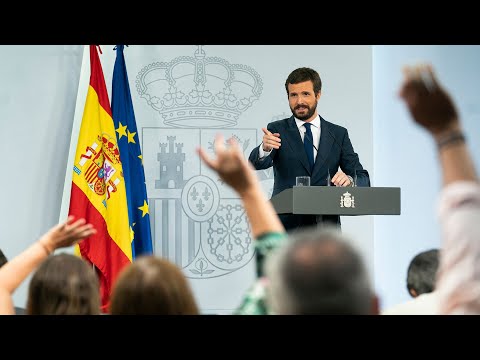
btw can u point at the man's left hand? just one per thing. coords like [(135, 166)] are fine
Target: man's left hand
[(341, 179)]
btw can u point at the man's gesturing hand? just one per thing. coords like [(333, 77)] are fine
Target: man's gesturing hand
[(270, 141)]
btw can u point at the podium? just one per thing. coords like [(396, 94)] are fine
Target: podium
[(333, 200)]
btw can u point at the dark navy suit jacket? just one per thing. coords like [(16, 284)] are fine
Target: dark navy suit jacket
[(335, 149)]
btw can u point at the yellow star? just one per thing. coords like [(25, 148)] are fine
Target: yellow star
[(132, 234), (141, 158), (130, 137), (144, 208), (121, 130)]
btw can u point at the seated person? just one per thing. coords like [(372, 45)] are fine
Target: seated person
[(15, 271), (152, 286), (421, 275)]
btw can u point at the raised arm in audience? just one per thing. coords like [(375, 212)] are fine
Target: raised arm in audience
[(237, 172), (16, 270), (458, 280), (432, 108)]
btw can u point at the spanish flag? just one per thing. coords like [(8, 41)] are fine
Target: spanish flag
[(98, 187)]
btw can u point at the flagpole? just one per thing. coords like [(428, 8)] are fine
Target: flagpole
[(83, 83)]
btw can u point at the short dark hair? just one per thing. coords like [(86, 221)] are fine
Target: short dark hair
[(304, 74), (422, 272), (318, 272), (3, 258)]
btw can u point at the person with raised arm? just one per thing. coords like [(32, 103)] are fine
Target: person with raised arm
[(431, 107), (15, 271)]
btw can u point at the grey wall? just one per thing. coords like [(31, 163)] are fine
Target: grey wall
[(37, 96)]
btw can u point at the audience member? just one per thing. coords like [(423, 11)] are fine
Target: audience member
[(421, 275), (152, 286), (3, 261), (254, 299), (64, 284), (14, 272), (265, 225), (319, 272), (422, 272), (3, 258), (458, 279)]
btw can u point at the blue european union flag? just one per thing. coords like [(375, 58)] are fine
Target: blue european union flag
[(131, 158)]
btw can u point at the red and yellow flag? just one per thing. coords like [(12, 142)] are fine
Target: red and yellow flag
[(98, 187)]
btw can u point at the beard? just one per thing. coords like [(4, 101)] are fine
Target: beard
[(306, 115)]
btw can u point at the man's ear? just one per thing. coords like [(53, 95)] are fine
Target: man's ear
[(413, 293), (318, 95)]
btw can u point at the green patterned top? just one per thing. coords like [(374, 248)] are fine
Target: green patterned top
[(253, 303)]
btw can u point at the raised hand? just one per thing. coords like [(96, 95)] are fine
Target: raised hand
[(231, 165), (67, 233), (429, 104), (270, 140)]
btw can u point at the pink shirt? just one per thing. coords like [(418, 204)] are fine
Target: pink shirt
[(458, 277)]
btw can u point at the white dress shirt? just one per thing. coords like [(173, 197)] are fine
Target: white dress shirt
[(424, 304), (458, 278), (301, 129)]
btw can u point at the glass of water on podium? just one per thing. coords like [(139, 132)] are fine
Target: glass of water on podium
[(302, 181)]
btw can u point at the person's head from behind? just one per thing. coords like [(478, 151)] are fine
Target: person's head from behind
[(303, 87), (3, 258), (422, 272), (319, 272), (152, 286), (64, 284)]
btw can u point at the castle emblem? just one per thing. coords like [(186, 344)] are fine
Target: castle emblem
[(347, 200)]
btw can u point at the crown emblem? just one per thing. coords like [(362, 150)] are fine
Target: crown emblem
[(199, 91), (110, 149)]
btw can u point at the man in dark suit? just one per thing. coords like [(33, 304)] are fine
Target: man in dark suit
[(307, 145)]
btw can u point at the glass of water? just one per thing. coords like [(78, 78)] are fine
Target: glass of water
[(302, 181)]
